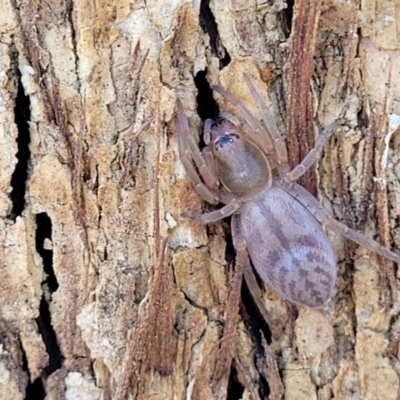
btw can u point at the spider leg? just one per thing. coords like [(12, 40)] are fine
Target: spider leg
[(208, 155), (209, 159), (314, 207), (208, 123), (272, 128), (214, 216), (231, 118), (314, 154), (206, 190), (242, 259), (254, 129), (205, 193), (186, 140)]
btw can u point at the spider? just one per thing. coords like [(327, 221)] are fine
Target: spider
[(275, 221)]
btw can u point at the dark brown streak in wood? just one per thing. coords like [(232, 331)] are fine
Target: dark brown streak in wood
[(387, 272), (161, 349), (300, 124), (161, 344), (228, 341), (367, 177), (136, 67)]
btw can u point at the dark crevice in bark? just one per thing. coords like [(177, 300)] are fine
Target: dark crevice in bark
[(263, 387), (207, 107), (209, 26), (20, 175), (287, 17), (194, 304), (43, 232), (50, 285), (49, 338), (256, 321), (35, 390), (257, 327), (359, 35), (235, 389), (230, 252)]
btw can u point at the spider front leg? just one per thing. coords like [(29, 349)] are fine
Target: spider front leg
[(243, 261), (279, 142), (188, 151), (208, 190), (281, 154)]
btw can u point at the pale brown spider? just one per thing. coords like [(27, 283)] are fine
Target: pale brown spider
[(274, 220)]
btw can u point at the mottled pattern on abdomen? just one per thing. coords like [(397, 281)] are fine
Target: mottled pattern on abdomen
[(288, 248)]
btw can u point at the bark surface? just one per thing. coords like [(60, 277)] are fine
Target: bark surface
[(106, 291)]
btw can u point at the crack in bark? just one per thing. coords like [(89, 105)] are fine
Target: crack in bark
[(20, 175)]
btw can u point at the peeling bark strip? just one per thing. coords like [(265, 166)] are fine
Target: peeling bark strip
[(299, 108)]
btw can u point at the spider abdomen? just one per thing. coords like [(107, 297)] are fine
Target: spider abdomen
[(288, 248)]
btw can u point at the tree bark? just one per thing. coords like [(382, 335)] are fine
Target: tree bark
[(107, 291)]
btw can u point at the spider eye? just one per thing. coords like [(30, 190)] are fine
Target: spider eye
[(222, 140)]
